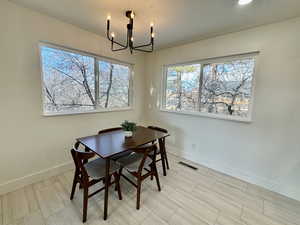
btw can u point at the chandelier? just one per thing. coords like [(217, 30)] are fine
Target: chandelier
[(129, 43)]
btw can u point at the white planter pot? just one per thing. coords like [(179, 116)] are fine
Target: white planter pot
[(128, 133)]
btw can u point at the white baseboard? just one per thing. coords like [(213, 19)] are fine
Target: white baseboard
[(290, 192), (15, 184), (245, 176)]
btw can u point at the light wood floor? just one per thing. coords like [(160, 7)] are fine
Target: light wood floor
[(203, 197)]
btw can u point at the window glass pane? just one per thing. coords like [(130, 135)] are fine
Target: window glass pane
[(69, 81), (182, 87), (172, 96), (227, 87), (114, 82)]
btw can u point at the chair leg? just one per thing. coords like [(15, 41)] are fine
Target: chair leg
[(116, 181), (167, 161), (117, 185), (109, 180), (138, 196), (162, 155), (151, 176), (74, 185), (156, 177), (119, 173), (85, 203), (119, 188)]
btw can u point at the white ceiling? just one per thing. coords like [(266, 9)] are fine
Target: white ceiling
[(176, 21)]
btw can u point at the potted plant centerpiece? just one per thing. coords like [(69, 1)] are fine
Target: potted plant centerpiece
[(128, 128)]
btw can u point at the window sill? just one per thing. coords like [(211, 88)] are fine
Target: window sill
[(213, 116), (87, 112)]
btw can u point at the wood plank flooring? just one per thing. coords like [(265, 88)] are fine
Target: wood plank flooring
[(188, 197)]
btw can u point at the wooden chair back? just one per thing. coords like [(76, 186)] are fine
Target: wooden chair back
[(109, 130), (146, 151), (79, 159), (158, 129), (162, 149)]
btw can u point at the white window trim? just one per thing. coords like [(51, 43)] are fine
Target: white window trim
[(96, 58), (221, 59), (65, 113)]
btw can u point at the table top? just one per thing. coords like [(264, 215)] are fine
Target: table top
[(109, 144)]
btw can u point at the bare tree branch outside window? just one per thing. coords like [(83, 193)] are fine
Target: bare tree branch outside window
[(216, 88), (181, 89), (114, 85), (69, 82)]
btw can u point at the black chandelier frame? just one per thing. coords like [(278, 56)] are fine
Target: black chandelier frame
[(129, 40)]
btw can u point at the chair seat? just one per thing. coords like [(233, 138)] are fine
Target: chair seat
[(132, 161), (120, 155), (152, 153), (157, 153), (96, 168)]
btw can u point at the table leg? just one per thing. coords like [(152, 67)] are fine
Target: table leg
[(162, 149), (107, 165)]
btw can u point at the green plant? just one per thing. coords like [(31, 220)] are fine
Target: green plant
[(128, 126)]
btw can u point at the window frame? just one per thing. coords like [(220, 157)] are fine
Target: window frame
[(96, 58), (223, 59)]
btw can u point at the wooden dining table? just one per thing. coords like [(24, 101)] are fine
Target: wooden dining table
[(113, 143)]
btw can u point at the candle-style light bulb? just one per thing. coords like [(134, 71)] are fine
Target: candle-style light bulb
[(108, 22), (132, 15), (151, 27), (112, 34), (131, 39), (153, 35)]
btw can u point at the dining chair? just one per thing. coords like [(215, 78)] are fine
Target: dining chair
[(90, 173), (109, 130), (120, 155), (136, 163), (162, 151)]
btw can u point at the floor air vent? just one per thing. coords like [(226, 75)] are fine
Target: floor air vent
[(188, 165)]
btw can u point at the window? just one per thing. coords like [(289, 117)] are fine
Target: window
[(219, 88), (78, 82), (114, 85), (183, 87)]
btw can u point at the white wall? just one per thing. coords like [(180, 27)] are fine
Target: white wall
[(30, 143), (266, 151)]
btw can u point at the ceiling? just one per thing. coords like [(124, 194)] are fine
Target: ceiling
[(176, 21)]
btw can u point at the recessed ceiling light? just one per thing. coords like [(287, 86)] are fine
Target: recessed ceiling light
[(244, 2)]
